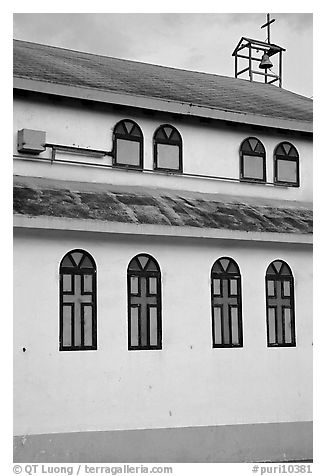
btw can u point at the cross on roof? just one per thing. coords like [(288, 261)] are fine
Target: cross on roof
[(267, 24)]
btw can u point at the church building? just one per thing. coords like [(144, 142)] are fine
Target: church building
[(162, 261)]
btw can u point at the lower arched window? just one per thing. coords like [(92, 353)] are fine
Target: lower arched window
[(280, 305), (226, 304), (78, 301), (144, 303)]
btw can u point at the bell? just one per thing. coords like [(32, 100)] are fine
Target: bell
[(265, 62)]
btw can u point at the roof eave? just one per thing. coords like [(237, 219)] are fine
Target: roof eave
[(117, 228), (158, 104)]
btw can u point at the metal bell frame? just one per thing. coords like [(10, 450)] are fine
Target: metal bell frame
[(245, 49)]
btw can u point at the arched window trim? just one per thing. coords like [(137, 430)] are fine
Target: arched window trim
[(176, 143), (281, 278), (145, 274), (129, 137), (231, 296), (287, 157), (80, 271), (252, 153)]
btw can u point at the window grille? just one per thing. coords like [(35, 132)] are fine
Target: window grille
[(78, 302), (144, 303)]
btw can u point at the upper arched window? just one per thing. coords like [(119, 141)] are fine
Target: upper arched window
[(78, 301), (280, 305), (226, 303), (144, 303), (167, 149), (128, 145), (286, 165), (252, 160)]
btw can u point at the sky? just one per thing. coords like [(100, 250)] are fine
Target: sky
[(194, 41)]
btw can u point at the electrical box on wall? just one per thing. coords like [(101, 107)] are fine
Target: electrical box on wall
[(31, 141)]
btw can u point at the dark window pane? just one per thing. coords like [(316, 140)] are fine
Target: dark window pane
[(287, 148), (134, 284), (88, 325), (224, 262), (232, 268), (128, 152), (160, 134), (67, 263), (246, 147), (217, 286), (279, 326), (152, 285), (233, 287), (259, 148), (86, 263), (293, 152), (134, 317), (129, 126), (287, 325), (286, 289), (152, 266), (235, 325), (271, 288), (66, 325), (217, 316), (153, 325), (279, 150), (136, 132), (134, 265), (271, 325), (175, 137), (77, 256), (67, 283), (168, 131), (143, 325), (285, 271), (271, 270), (253, 142), (217, 268), (277, 265), (226, 328), (143, 260), (88, 283), (120, 128), (253, 167), (286, 171), (168, 156)]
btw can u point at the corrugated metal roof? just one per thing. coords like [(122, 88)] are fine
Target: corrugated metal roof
[(53, 198), (73, 68)]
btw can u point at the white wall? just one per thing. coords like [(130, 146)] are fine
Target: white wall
[(188, 382), (209, 149)]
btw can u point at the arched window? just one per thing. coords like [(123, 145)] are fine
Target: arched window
[(77, 301), (167, 149), (286, 165), (280, 305), (128, 145), (226, 303), (144, 303), (252, 160)]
